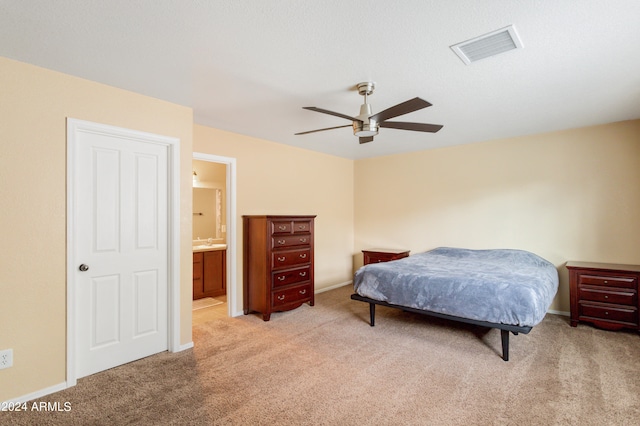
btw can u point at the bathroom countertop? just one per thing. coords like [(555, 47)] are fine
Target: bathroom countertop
[(212, 247)]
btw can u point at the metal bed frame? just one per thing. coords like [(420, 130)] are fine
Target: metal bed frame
[(504, 328)]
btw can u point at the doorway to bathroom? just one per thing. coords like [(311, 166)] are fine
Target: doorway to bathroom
[(214, 238)]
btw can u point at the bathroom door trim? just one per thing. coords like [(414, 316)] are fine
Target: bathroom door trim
[(230, 190)]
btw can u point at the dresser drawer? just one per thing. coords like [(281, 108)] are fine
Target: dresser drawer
[(291, 295), (609, 281), (284, 259), (292, 276), (301, 226), (280, 227), (620, 313), (618, 296), (290, 240)]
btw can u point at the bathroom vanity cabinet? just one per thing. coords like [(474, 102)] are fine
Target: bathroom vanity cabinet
[(209, 273)]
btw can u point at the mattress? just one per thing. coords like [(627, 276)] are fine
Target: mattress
[(502, 286)]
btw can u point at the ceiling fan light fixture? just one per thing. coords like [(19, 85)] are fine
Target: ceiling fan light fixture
[(362, 129)]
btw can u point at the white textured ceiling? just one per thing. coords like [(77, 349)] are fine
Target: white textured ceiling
[(249, 66)]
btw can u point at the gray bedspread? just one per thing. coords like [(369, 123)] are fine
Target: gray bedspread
[(499, 286)]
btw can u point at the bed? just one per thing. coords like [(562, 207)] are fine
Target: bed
[(507, 289)]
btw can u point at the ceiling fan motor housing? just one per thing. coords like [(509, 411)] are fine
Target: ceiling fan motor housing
[(364, 126)]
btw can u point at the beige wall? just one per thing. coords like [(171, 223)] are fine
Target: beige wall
[(34, 105), (278, 179), (570, 195)]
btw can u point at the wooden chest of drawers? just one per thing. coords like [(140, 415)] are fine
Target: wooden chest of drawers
[(278, 263), (604, 294)]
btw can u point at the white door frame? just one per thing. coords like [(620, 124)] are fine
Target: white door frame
[(173, 245), (232, 276)]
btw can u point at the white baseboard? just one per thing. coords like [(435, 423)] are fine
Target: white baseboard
[(333, 287), (39, 394), (185, 347), (563, 313)]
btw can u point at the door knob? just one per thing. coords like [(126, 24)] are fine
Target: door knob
[(84, 267)]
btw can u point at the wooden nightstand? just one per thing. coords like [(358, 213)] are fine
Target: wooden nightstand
[(604, 294), (377, 255)]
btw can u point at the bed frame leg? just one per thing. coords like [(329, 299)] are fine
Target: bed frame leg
[(504, 334), (372, 314)]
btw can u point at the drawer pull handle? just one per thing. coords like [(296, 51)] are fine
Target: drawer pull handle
[(281, 241), (303, 256), (303, 240), (281, 297), (303, 291), (606, 312), (606, 282), (303, 274), (282, 259), (302, 226), (606, 297), (282, 227), (281, 278)]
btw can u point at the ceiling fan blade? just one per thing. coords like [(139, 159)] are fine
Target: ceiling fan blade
[(418, 127), (320, 130), (366, 139), (404, 108), (326, 111)]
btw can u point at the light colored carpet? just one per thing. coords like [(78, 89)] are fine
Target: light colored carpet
[(324, 365), (206, 302)]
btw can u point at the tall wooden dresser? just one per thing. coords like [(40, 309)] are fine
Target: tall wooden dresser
[(278, 263)]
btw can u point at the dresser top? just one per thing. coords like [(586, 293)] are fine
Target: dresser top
[(282, 216), (606, 266)]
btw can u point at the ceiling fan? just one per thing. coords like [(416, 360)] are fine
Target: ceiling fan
[(366, 125)]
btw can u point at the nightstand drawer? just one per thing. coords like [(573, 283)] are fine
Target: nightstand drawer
[(609, 281), (608, 295), (610, 313)]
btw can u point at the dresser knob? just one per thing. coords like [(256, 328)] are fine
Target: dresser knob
[(606, 313), (303, 256), (303, 291), (281, 259), (282, 227), (303, 240), (281, 297), (281, 278), (302, 226), (303, 274), (606, 297), (606, 282), (281, 241)]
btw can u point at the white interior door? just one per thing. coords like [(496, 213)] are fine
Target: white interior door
[(120, 238)]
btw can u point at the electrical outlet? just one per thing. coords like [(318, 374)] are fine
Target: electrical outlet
[(6, 358)]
